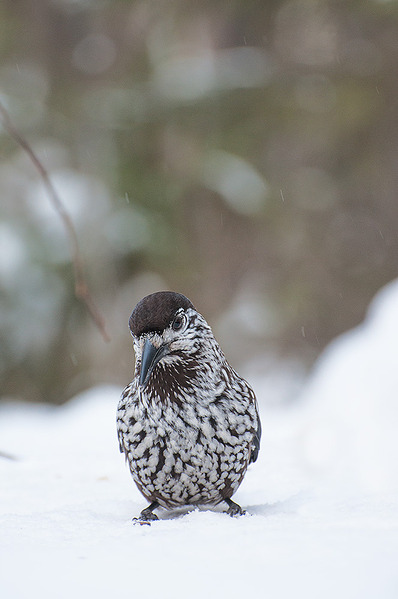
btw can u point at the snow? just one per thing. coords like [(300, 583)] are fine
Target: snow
[(321, 500)]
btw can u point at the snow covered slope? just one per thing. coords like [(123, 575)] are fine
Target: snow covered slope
[(322, 499)]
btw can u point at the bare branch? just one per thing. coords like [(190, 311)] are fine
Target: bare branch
[(81, 288)]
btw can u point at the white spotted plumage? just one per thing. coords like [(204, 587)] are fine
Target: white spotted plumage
[(189, 431)]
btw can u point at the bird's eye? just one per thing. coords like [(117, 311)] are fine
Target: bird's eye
[(178, 322)]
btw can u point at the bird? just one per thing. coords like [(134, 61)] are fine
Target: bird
[(187, 423)]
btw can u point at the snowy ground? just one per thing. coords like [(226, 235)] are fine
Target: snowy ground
[(322, 499)]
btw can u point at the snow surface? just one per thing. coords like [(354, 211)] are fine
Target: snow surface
[(321, 500)]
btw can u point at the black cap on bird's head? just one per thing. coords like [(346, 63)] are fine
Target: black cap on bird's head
[(155, 312)]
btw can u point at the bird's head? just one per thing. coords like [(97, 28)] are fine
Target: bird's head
[(170, 341)]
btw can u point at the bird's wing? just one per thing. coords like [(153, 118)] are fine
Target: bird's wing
[(129, 390), (249, 393), (121, 445), (256, 439)]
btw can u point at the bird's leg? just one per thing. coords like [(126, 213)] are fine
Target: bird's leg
[(147, 516), (233, 508)]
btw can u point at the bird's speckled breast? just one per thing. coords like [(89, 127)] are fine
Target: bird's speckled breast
[(186, 455)]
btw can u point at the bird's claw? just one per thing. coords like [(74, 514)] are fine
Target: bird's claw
[(147, 516), (234, 509), (235, 513), (144, 521)]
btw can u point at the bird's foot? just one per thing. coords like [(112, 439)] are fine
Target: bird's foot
[(145, 520), (147, 516), (234, 509)]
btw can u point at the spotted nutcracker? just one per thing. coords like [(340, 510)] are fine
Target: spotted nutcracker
[(188, 424)]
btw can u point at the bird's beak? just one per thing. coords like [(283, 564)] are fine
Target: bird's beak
[(150, 357)]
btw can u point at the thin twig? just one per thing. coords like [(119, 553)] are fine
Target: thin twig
[(82, 291)]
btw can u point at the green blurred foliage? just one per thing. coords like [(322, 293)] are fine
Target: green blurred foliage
[(243, 153)]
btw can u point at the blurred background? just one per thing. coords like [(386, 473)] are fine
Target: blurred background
[(242, 153)]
